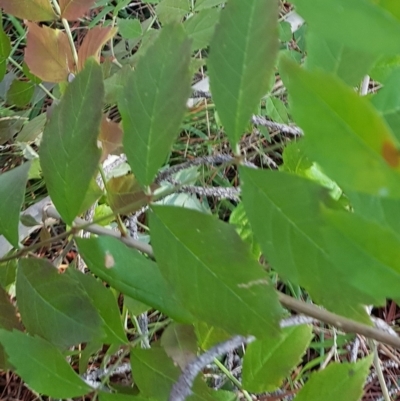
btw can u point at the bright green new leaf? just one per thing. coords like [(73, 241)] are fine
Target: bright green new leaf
[(153, 102), (12, 191), (106, 304), (5, 50), (126, 270), (366, 156), (213, 271), (42, 366), (343, 381), (349, 64), (364, 26), (241, 61), (387, 101), (285, 213), (68, 153), (53, 306), (200, 27), (150, 366), (169, 11), (267, 362)]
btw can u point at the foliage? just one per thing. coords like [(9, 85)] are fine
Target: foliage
[(324, 225)]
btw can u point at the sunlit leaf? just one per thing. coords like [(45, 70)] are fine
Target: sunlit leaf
[(33, 10), (153, 102), (267, 362), (368, 155), (48, 53), (53, 306), (68, 153), (12, 191), (210, 265), (42, 366), (92, 43), (344, 381), (131, 273), (364, 26), (241, 61), (71, 10)]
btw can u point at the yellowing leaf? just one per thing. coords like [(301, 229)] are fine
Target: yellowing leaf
[(33, 10), (93, 42), (110, 138), (48, 53), (74, 9)]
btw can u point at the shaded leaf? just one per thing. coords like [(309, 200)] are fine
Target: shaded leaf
[(208, 336), (92, 43), (129, 28), (32, 129), (364, 26), (42, 366), (68, 152), (343, 381), (12, 191), (132, 274), (53, 306), (169, 11), (106, 304), (368, 153), (48, 53), (180, 343), (33, 10), (110, 137), (200, 27), (267, 362), (210, 265), (241, 61), (8, 313), (153, 102), (20, 93), (71, 10), (203, 4), (5, 50), (290, 235), (120, 397), (7, 272)]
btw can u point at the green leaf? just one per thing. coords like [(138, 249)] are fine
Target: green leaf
[(120, 397), (53, 306), (350, 65), (169, 11), (129, 28), (180, 343), (343, 381), (368, 156), (364, 26), (129, 272), (208, 336), (285, 213), (267, 362), (387, 102), (157, 92), (68, 152), (203, 4), (12, 191), (5, 50), (7, 273), (151, 366), (276, 110), (42, 366), (200, 27), (20, 93), (210, 265), (104, 301), (241, 61)]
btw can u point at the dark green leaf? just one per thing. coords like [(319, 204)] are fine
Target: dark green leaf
[(343, 381), (157, 92), (363, 25), (241, 61), (5, 50), (285, 213), (20, 93), (368, 156), (267, 362), (12, 191), (126, 270), (214, 272), (68, 153), (42, 366), (120, 397), (53, 306), (7, 273), (106, 304)]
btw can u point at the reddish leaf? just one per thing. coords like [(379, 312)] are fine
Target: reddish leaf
[(33, 10), (390, 154), (74, 9), (48, 53), (93, 42), (110, 138)]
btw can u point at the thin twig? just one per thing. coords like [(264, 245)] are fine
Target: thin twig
[(286, 129)]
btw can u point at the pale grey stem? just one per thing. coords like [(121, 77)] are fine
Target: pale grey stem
[(217, 192), (286, 129)]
